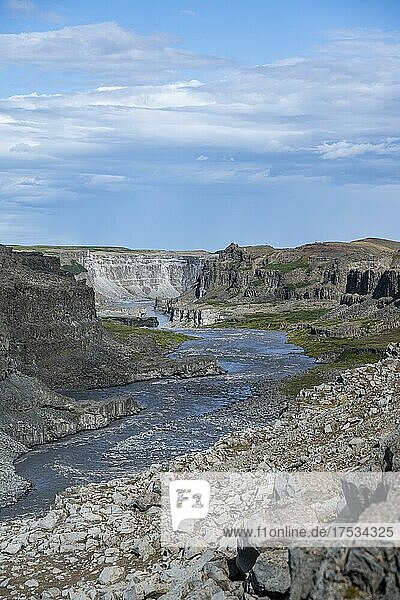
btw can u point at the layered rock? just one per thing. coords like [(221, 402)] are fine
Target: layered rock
[(50, 318), (138, 274), (313, 271)]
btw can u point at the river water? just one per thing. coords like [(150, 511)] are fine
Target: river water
[(175, 418)]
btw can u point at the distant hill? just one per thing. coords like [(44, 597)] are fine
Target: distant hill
[(379, 244)]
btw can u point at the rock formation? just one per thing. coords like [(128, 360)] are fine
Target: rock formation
[(138, 274), (330, 272), (50, 337), (313, 271), (102, 540)]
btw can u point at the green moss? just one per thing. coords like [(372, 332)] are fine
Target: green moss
[(165, 339), (73, 267), (309, 379), (316, 347), (286, 267)]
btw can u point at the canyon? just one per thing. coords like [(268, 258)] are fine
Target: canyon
[(242, 280), (339, 301), (51, 340), (137, 274)]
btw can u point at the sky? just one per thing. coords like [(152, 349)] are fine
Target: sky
[(188, 124)]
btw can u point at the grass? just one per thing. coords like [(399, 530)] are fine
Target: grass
[(74, 268), (301, 284), (316, 347), (286, 267), (322, 373), (166, 340), (351, 592)]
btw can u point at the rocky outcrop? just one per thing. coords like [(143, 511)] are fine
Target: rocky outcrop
[(138, 274), (135, 321), (310, 272), (49, 317), (191, 317), (351, 423), (376, 284)]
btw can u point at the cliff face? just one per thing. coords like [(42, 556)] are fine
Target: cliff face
[(49, 319), (384, 284), (139, 275), (323, 271)]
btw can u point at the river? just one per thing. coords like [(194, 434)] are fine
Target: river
[(178, 416)]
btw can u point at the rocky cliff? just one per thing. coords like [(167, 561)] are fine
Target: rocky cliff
[(138, 275), (49, 317), (329, 272), (313, 271), (377, 284)]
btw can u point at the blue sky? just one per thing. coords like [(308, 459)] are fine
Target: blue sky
[(190, 124)]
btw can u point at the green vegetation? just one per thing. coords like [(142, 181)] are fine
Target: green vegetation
[(276, 320), (166, 340), (316, 347), (286, 267), (73, 267), (325, 372)]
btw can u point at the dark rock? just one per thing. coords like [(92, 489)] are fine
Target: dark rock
[(270, 574), (136, 321)]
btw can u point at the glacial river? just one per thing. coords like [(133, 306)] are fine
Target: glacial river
[(178, 416)]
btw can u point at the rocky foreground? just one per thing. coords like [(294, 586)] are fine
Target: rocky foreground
[(102, 540)]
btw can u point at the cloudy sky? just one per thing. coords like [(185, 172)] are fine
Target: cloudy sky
[(190, 124)]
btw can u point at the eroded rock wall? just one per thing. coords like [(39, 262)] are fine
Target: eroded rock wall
[(48, 317), (311, 272), (140, 275)]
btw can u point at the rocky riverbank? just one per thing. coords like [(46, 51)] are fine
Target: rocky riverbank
[(52, 339), (102, 541), (31, 414)]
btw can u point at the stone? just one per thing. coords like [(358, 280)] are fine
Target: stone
[(270, 574), (110, 575)]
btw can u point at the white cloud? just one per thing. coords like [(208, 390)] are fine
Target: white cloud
[(99, 179), (22, 147), (345, 149), (275, 119), (104, 48), (187, 13)]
